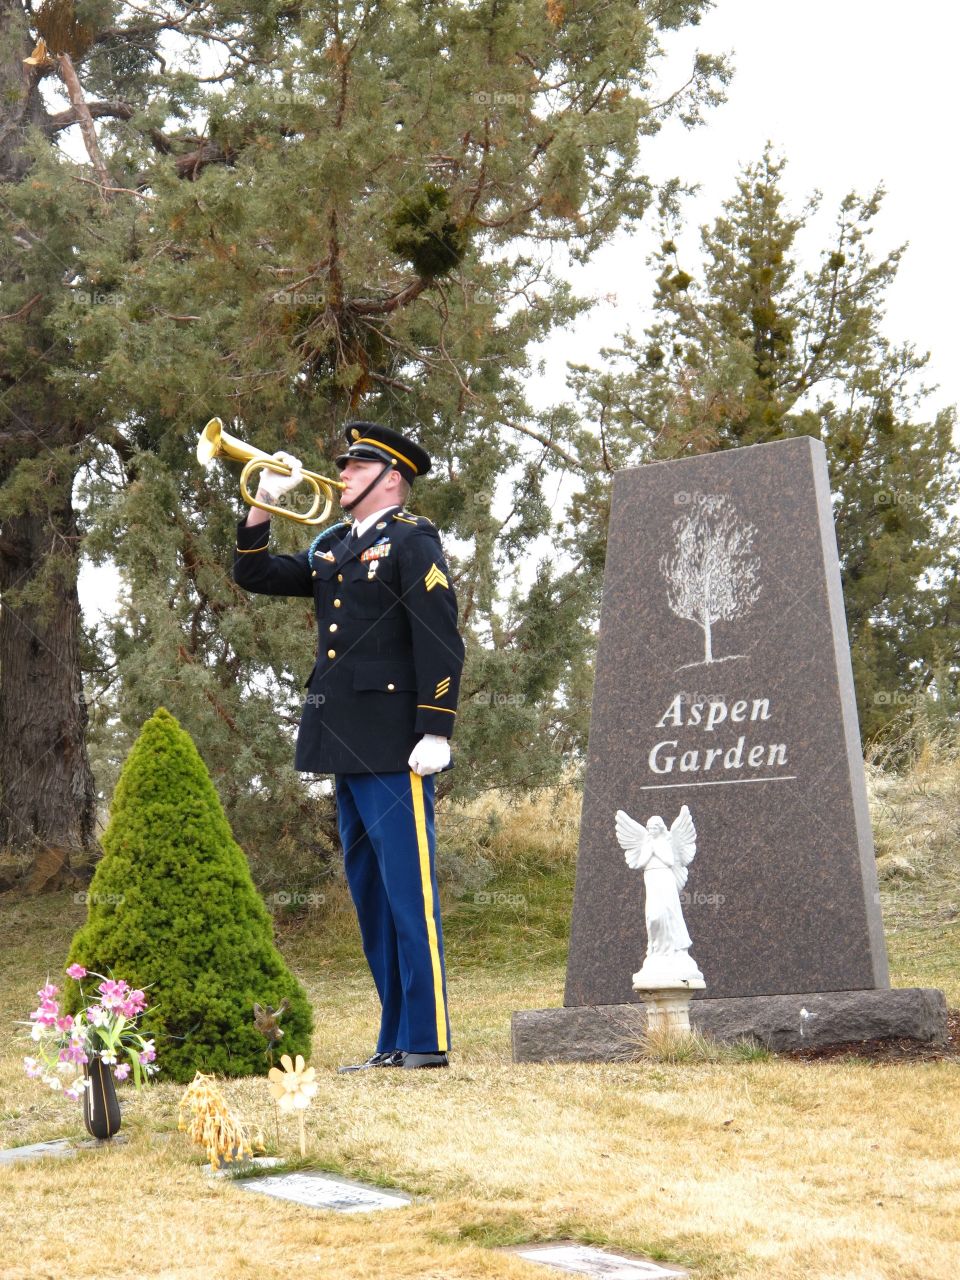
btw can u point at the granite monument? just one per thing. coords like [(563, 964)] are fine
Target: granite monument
[(724, 683)]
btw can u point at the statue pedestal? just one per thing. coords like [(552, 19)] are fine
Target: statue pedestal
[(668, 1008)]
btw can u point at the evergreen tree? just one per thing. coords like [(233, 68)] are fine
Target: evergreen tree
[(173, 908), (65, 66), (365, 231), (749, 346)]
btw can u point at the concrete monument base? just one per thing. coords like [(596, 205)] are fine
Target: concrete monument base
[(613, 1032), (668, 1007)]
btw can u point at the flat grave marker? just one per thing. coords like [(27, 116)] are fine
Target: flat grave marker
[(326, 1191), (586, 1260), (37, 1150)]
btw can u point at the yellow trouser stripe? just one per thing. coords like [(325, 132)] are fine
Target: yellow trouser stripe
[(416, 788)]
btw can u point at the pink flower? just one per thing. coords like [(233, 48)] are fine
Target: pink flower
[(76, 971), (45, 1016), (32, 1067), (65, 1023), (134, 1004), (113, 993), (48, 992), (149, 1053), (122, 1071)]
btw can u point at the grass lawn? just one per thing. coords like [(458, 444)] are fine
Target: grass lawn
[(839, 1170)]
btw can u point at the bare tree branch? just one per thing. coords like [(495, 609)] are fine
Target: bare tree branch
[(84, 118)]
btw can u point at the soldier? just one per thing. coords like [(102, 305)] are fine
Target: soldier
[(379, 714)]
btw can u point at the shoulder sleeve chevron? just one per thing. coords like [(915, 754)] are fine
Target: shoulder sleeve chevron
[(431, 607)]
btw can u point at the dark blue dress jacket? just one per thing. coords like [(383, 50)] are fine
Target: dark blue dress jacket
[(389, 655)]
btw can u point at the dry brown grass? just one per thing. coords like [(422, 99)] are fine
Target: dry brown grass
[(769, 1169), (540, 829), (834, 1170)]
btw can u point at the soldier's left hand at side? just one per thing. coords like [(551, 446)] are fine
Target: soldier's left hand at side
[(430, 755)]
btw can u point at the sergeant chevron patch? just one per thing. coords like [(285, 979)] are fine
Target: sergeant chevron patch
[(435, 578)]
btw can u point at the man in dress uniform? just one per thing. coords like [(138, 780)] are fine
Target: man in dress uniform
[(379, 713)]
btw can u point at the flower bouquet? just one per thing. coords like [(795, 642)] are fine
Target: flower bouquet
[(105, 1027)]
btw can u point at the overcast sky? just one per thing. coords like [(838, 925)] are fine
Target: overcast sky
[(853, 93)]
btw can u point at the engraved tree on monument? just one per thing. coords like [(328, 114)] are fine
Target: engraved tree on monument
[(712, 575)]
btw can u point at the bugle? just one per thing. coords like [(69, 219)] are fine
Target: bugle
[(214, 442)]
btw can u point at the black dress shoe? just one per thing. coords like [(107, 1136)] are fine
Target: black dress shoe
[(392, 1059), (413, 1060)]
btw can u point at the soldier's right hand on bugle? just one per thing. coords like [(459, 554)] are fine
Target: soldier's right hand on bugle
[(272, 485)]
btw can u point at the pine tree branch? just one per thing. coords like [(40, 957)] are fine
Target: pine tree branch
[(164, 22), (103, 188), (209, 152), (367, 306), (549, 444), (114, 109), (384, 381), (64, 119), (24, 310)]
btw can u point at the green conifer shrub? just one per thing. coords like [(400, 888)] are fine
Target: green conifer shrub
[(173, 909)]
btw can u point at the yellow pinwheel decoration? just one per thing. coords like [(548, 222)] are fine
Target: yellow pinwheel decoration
[(294, 1086), (293, 1089)]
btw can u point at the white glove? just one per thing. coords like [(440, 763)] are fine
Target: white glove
[(272, 485), (430, 755)]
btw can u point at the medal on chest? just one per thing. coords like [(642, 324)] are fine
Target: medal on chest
[(378, 551)]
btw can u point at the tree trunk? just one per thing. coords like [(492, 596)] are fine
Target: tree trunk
[(47, 802), (47, 799)]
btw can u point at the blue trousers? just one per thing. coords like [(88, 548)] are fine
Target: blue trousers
[(386, 826)]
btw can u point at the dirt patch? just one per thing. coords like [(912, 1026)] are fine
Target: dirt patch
[(884, 1051)]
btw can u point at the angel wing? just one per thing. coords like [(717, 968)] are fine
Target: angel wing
[(683, 838), (634, 840)]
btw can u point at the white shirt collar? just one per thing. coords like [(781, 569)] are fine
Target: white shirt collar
[(360, 527)]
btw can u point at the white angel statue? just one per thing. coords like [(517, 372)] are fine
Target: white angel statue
[(663, 856)]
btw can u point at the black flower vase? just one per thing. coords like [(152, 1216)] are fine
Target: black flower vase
[(101, 1110)]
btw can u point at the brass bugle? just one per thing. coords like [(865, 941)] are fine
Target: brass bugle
[(214, 442)]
